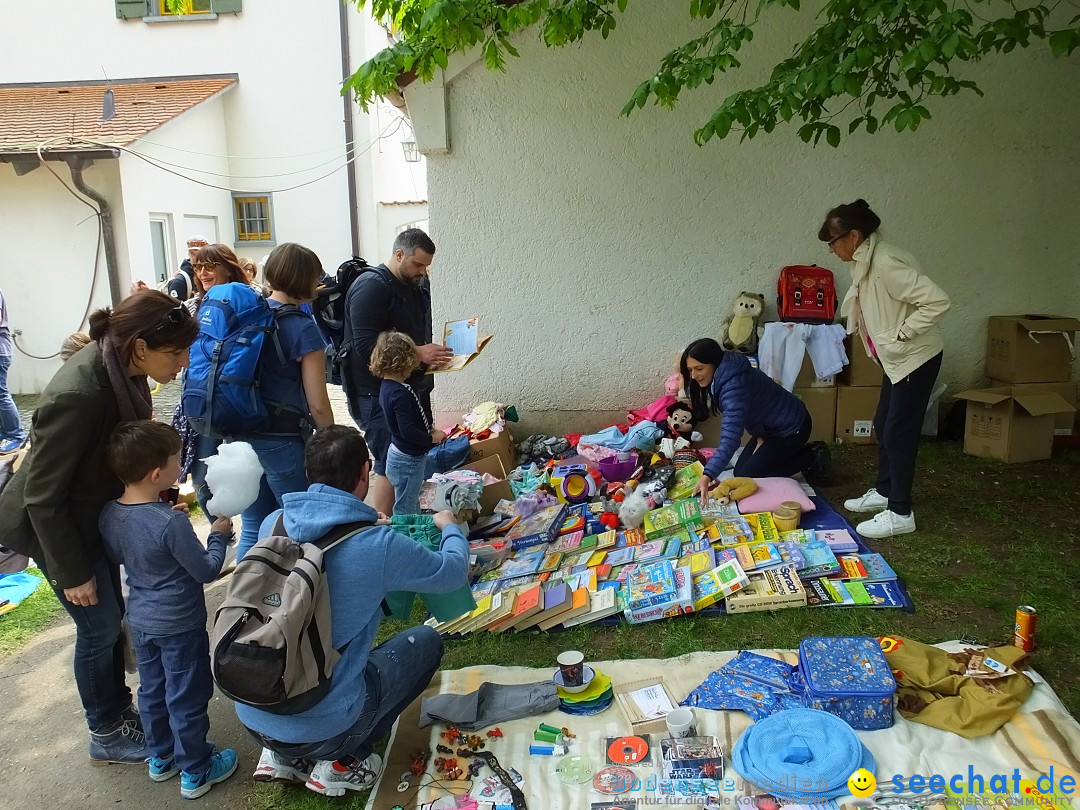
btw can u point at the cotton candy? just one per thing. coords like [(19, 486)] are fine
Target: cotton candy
[(233, 476)]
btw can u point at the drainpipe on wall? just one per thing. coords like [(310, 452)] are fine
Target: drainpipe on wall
[(350, 146), (77, 165)]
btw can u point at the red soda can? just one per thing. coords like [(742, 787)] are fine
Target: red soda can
[(1024, 629)]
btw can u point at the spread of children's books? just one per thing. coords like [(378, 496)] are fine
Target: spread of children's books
[(545, 571)]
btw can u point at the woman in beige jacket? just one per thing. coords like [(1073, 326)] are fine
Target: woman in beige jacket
[(895, 309)]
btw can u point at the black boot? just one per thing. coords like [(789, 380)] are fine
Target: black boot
[(819, 473)]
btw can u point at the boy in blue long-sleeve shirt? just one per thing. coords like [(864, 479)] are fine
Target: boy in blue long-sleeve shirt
[(166, 568), (329, 746)]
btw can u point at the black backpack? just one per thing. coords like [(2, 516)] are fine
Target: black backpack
[(329, 311)]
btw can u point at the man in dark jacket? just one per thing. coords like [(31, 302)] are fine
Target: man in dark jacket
[(395, 295), (182, 285)]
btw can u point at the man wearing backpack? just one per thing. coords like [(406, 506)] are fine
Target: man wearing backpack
[(329, 746), (395, 295)]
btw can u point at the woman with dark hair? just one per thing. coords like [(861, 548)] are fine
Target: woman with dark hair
[(777, 421), (50, 509), (896, 311)]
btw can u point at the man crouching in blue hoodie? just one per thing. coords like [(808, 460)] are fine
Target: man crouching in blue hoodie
[(328, 747)]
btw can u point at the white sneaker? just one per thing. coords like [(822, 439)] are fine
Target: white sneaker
[(275, 768), (870, 502), (886, 524), (326, 779)]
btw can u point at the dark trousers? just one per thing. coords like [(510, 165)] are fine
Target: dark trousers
[(779, 457), (900, 414), (397, 672), (175, 687), (99, 649)]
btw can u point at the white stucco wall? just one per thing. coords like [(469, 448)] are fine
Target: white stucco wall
[(596, 247), (46, 277)]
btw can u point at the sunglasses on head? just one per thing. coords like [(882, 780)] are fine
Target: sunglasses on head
[(175, 317)]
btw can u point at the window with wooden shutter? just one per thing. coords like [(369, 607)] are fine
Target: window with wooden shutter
[(254, 222)]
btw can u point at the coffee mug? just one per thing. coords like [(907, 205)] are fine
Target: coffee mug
[(680, 723), (572, 667)]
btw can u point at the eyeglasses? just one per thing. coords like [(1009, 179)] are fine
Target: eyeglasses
[(173, 318), (207, 266), (836, 239)]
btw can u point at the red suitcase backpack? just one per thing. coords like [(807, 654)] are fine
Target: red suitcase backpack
[(806, 294)]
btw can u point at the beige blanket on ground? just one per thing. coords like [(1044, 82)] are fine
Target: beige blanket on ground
[(1041, 736)]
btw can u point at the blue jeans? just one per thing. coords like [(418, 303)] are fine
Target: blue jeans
[(10, 423), (282, 459), (175, 687), (407, 474), (204, 448), (397, 672), (99, 649)]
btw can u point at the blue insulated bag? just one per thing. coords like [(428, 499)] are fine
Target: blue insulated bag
[(221, 397), (848, 676)]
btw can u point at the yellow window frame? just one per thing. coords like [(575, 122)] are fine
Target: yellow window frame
[(188, 7), (242, 219)]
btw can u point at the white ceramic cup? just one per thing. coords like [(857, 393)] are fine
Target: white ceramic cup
[(680, 722)]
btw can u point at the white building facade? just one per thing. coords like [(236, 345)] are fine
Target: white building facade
[(264, 160)]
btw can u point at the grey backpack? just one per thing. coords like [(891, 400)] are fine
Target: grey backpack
[(272, 646)]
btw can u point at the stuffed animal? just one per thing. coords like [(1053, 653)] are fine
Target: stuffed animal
[(739, 332), (643, 499), (734, 489), (680, 422)]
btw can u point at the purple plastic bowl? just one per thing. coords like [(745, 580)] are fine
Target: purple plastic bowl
[(613, 470)]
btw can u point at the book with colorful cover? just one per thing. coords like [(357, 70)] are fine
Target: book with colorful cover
[(672, 548), (620, 556), (550, 562), (602, 603), (820, 560), (839, 540), (516, 582), (578, 558), (764, 527), (596, 558), (624, 572), (497, 615), (838, 590), (650, 584), (588, 542), (667, 520), (698, 562), (791, 553), (568, 542), (765, 556), (884, 594), (877, 570), (529, 602), (573, 522), (817, 595), (799, 535), (648, 551), (606, 540), (632, 537), (602, 571), (681, 603), (698, 544), (858, 592), (740, 553), (482, 589), (586, 579), (769, 590), (720, 582), (851, 567), (539, 527), (732, 531), (521, 564), (557, 600)]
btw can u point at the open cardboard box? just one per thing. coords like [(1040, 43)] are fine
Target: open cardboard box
[(1011, 424), (496, 491), (639, 724), (500, 444)]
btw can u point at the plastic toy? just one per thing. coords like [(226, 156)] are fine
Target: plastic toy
[(495, 734)]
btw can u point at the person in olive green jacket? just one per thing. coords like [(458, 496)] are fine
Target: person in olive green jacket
[(50, 508)]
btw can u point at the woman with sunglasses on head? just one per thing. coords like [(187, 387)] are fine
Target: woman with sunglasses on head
[(896, 311), (50, 508)]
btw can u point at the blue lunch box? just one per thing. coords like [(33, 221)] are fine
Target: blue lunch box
[(848, 676)]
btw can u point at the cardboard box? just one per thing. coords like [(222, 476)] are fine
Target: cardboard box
[(821, 402), (1063, 422), (808, 378), (631, 711), (862, 371), (501, 445), (1011, 425), (494, 492), (770, 590), (1030, 348), (855, 409)]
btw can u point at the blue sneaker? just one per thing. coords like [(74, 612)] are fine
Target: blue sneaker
[(11, 445), (222, 766), (161, 770)]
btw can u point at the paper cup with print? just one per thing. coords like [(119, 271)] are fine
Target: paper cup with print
[(681, 723), (572, 667)]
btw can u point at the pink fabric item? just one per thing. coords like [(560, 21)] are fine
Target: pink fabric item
[(655, 411), (771, 493)]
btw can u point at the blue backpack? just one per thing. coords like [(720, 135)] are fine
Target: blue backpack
[(221, 387)]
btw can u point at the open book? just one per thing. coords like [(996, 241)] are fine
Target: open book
[(463, 338)]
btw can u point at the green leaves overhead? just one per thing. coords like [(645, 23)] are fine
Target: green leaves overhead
[(867, 64)]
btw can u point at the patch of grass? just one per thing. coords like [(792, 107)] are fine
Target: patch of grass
[(33, 615), (991, 536)]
